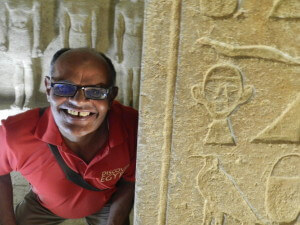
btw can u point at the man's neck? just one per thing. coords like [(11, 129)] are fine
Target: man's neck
[(88, 146)]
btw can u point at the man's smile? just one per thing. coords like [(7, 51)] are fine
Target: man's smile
[(76, 114)]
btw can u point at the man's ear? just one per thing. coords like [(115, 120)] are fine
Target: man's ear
[(113, 94), (47, 83)]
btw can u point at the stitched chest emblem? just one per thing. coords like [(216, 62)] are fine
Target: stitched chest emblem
[(112, 174)]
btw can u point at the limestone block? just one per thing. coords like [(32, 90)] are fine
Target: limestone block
[(219, 134)]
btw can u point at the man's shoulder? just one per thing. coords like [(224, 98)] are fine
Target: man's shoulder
[(24, 119), (127, 113)]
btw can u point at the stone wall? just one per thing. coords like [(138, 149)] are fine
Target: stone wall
[(219, 127)]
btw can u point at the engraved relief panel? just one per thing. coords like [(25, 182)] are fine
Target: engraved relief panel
[(283, 189), (21, 20), (128, 37), (223, 197), (235, 115), (222, 92), (78, 27), (285, 128), (218, 8), (286, 9)]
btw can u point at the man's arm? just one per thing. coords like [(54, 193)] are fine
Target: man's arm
[(122, 201), (7, 216)]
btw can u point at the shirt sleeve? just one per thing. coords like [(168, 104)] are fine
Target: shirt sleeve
[(7, 158)]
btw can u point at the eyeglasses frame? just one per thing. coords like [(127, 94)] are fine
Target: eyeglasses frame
[(82, 87)]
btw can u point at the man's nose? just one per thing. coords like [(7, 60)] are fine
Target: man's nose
[(78, 97)]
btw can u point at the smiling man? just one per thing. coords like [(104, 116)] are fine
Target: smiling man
[(78, 154)]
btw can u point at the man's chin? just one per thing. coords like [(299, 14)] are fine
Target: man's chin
[(74, 133)]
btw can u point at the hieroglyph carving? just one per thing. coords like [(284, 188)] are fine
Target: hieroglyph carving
[(78, 23), (128, 43), (222, 91), (283, 190), (222, 195), (251, 51), (286, 9), (218, 8), (285, 129), (23, 22)]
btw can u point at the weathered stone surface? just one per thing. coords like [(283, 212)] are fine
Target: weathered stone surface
[(219, 116)]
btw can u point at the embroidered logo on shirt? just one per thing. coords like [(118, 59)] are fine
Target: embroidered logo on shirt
[(112, 174)]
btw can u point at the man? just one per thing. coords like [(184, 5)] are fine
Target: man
[(94, 136)]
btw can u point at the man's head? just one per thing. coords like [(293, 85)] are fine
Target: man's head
[(108, 61), (80, 90)]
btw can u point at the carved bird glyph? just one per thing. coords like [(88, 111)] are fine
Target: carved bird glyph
[(222, 195)]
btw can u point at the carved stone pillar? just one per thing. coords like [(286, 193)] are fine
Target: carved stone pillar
[(219, 127)]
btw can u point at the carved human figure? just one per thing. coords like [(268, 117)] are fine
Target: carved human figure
[(128, 52), (78, 23), (222, 91), (22, 37)]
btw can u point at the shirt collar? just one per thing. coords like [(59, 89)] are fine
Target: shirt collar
[(48, 132), (117, 131), (46, 129)]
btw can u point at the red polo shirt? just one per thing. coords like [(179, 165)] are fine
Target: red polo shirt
[(23, 148)]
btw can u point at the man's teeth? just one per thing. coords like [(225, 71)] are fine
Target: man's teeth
[(76, 113), (84, 113), (72, 112)]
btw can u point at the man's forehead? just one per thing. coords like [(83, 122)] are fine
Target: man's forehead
[(81, 55)]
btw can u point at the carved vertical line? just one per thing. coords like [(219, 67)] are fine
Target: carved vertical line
[(168, 126)]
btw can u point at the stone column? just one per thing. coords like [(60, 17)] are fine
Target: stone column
[(219, 127)]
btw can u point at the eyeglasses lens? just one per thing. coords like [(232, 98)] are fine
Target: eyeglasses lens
[(95, 93), (66, 90)]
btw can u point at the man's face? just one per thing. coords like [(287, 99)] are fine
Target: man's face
[(77, 116)]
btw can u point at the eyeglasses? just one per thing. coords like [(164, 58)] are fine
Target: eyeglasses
[(90, 92)]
